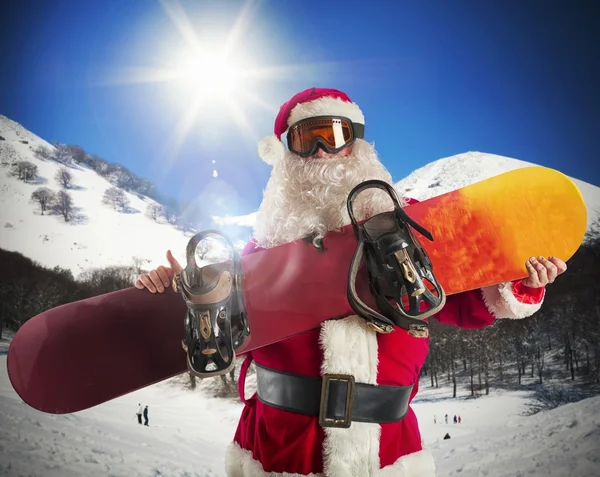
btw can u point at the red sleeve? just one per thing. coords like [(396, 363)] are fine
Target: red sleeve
[(528, 295), (466, 310), (469, 309)]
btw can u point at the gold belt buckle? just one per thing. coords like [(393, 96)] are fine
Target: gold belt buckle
[(346, 421)]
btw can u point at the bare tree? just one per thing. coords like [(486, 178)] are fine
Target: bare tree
[(77, 153), (64, 177), (64, 205), (170, 215), (116, 198), (62, 154), (42, 152), (43, 196), (155, 212), (25, 171)]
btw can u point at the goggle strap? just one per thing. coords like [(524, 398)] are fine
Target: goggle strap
[(359, 130)]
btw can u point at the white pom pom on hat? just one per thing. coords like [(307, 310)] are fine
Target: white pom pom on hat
[(271, 150), (308, 103)]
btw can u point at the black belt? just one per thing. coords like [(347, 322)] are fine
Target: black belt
[(335, 398)]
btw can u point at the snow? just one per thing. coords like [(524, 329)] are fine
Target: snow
[(189, 432), (101, 237)]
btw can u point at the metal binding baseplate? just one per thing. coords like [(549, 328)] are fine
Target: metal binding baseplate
[(215, 323)]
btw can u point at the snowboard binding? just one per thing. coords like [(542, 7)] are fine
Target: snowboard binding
[(215, 322), (399, 271)]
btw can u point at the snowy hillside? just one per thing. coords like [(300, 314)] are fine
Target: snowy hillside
[(189, 432), (101, 236)]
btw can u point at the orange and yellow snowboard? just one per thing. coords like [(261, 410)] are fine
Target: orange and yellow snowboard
[(485, 232)]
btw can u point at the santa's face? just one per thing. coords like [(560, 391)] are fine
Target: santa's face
[(307, 197)]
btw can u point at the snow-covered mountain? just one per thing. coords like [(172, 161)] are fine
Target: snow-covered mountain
[(99, 237)]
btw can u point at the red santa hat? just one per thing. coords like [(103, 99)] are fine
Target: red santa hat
[(306, 104)]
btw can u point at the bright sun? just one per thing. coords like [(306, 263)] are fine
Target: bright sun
[(212, 77), (207, 74)]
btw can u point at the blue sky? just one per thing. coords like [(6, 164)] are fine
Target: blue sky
[(434, 79)]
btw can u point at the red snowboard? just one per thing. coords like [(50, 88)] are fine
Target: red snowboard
[(85, 353)]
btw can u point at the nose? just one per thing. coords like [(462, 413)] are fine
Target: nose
[(322, 153)]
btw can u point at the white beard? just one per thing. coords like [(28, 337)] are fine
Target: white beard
[(308, 197)]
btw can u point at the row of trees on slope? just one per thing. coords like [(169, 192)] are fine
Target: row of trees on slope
[(27, 288), (186, 216), (117, 174)]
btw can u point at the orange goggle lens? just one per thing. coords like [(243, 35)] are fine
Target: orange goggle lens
[(330, 132)]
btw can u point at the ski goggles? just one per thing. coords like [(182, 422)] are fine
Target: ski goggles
[(331, 133)]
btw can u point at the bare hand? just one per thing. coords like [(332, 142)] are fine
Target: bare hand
[(542, 271), (159, 279)]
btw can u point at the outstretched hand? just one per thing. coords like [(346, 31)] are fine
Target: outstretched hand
[(543, 271), (159, 279)]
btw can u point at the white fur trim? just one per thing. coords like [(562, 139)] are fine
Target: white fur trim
[(326, 106), (240, 463), (271, 150), (417, 464), (502, 303), (350, 347)]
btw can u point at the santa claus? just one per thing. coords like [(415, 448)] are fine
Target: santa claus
[(282, 431)]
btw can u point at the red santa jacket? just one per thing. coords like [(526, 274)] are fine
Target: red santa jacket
[(273, 442)]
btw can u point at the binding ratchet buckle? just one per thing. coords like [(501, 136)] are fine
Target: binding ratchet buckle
[(215, 322), (399, 271)]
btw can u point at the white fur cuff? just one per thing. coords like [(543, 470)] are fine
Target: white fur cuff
[(502, 303)]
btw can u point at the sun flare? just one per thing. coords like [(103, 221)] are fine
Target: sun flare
[(207, 74), (212, 76)]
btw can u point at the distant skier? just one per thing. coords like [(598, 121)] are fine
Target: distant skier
[(146, 416), (434, 420), (446, 418), (455, 419), (139, 413), (459, 420)]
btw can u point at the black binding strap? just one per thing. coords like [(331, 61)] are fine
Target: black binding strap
[(336, 399), (400, 274)]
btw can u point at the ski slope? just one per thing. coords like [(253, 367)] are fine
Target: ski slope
[(189, 432)]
